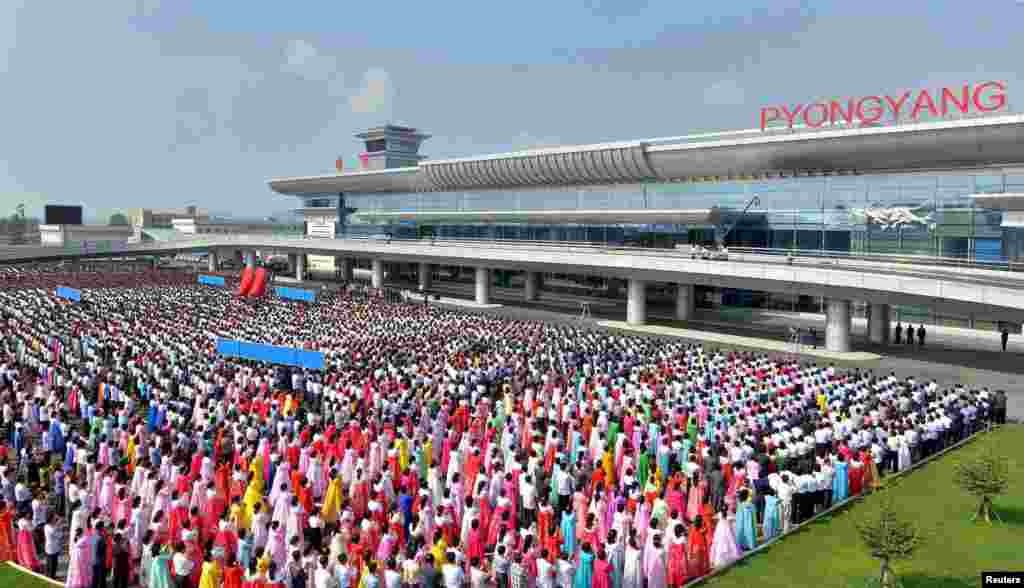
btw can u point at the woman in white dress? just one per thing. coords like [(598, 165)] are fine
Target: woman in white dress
[(633, 574)]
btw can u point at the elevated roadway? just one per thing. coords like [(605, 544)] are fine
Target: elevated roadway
[(958, 290)]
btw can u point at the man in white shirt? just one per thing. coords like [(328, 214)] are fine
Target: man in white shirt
[(52, 544)]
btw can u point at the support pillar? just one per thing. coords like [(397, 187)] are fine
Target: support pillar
[(300, 267), (426, 276), (636, 302), (878, 324), (343, 267), (292, 262), (250, 258), (837, 325), (532, 286), (377, 273), (684, 302), (483, 285), (213, 263)]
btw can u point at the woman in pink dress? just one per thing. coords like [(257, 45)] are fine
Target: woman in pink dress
[(696, 498), (475, 543), (27, 556), (80, 563), (602, 571)]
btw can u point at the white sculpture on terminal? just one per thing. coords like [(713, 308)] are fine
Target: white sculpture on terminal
[(893, 217)]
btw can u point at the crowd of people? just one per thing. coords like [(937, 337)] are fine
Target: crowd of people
[(436, 448)]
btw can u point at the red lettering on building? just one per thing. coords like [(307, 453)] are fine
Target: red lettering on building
[(919, 105), (791, 115), (822, 117), (962, 105), (897, 105), (998, 98), (985, 97)]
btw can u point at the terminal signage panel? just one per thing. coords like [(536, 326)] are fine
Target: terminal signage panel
[(866, 111), (324, 230)]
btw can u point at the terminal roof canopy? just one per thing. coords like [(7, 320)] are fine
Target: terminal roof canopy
[(944, 145)]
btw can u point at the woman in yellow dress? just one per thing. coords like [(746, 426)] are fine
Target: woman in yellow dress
[(253, 493), (403, 454), (439, 549), (332, 501), (210, 576), (607, 464)]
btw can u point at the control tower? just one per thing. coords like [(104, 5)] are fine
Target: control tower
[(391, 146)]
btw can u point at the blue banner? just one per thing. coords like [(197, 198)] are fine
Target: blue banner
[(211, 280), (69, 293), (295, 293), (271, 353)]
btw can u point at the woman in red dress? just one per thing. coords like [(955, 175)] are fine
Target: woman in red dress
[(699, 556), (232, 573), (678, 560), (856, 476), (7, 551)]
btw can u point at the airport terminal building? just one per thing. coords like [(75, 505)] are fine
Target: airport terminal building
[(952, 187)]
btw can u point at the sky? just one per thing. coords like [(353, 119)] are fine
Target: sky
[(127, 103)]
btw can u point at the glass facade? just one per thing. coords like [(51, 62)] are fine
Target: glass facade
[(911, 214), (908, 214)]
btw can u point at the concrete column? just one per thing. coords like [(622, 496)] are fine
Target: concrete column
[(343, 266), (292, 262), (300, 266), (213, 263), (250, 258), (377, 274), (837, 325), (426, 276), (483, 285), (684, 302), (636, 302), (532, 286), (878, 324)]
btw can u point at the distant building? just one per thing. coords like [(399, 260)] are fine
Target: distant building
[(87, 236), (147, 218), (219, 226)]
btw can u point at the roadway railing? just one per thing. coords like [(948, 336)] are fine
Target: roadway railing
[(919, 264)]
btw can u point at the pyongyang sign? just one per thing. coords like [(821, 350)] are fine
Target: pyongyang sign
[(983, 98)]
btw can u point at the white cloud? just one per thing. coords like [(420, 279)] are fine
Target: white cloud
[(724, 93), (376, 94), (303, 59)]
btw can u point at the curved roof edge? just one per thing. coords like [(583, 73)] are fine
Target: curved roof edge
[(747, 152)]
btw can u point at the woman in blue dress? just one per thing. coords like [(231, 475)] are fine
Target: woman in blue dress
[(746, 521), (772, 517), (159, 570), (568, 528), (840, 482), (584, 569)]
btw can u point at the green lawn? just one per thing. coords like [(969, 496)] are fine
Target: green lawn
[(828, 553), (9, 576)]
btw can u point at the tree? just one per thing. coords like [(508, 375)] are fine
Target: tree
[(16, 226), (985, 477), (889, 536), (118, 220)]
